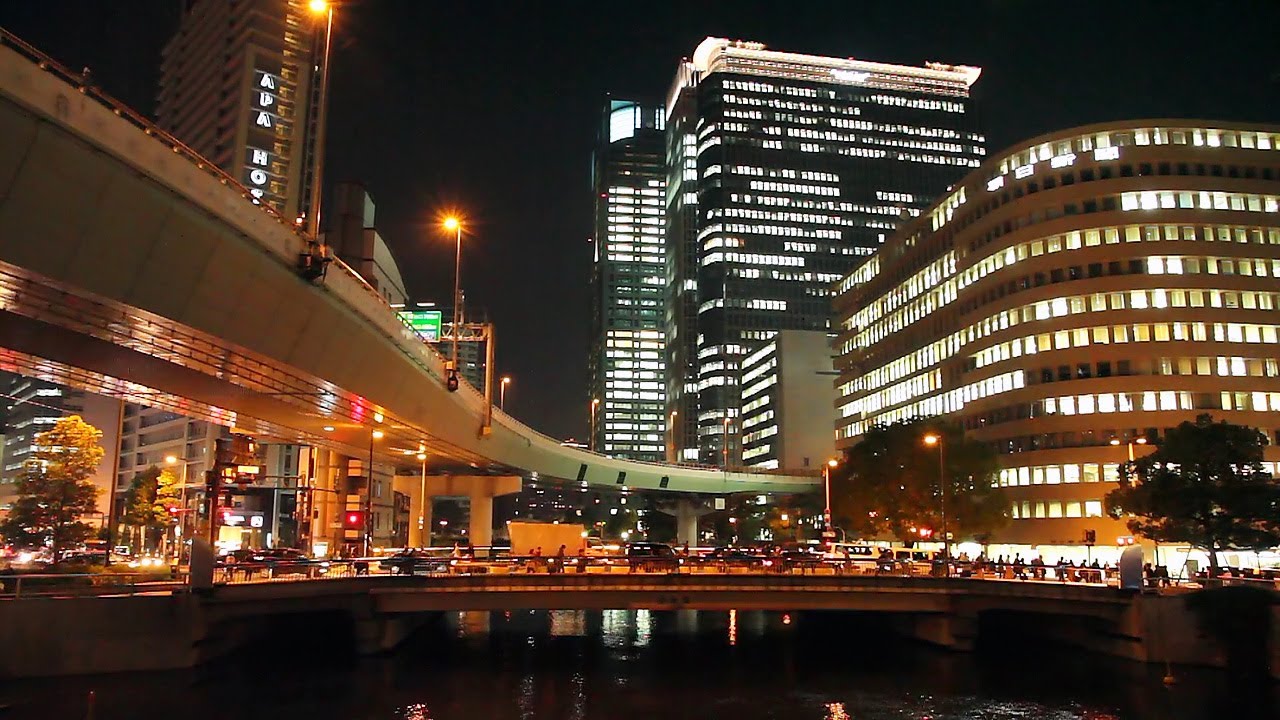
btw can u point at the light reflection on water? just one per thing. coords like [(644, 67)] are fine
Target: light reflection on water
[(628, 665)]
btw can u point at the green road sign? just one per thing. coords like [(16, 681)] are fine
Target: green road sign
[(425, 322)]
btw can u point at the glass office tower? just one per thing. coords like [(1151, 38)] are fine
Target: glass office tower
[(627, 361), (783, 172)]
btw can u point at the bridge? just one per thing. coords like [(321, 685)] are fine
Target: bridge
[(176, 628), (132, 267)]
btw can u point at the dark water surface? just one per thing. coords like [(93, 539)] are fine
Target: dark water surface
[(630, 665)]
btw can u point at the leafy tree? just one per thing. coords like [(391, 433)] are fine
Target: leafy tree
[(1204, 485), (54, 490), (794, 508), (147, 504), (889, 484)]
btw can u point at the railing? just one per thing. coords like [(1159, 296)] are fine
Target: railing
[(64, 585)]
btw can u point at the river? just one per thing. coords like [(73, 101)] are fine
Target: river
[(635, 664)]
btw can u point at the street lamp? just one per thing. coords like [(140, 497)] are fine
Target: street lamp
[(367, 544), (422, 495), (502, 392), (454, 224), (1139, 441), (671, 426), (935, 439), (595, 403), (182, 519), (320, 8), (828, 533)]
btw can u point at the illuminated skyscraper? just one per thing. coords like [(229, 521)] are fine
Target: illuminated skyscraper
[(627, 357), (236, 84), (784, 171), (1069, 303)]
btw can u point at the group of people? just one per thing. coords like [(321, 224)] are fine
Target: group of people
[(1037, 569)]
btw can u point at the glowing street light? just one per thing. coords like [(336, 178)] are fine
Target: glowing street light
[(323, 11), (595, 403), (931, 440), (454, 224), (828, 533), (502, 392), (1139, 441)]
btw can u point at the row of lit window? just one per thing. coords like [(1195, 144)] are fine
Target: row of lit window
[(924, 280), (1133, 299), (873, 140), (1210, 137), (1203, 200), (753, 420), (1140, 332), (1052, 509), (946, 402)]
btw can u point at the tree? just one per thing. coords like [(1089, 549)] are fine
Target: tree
[(889, 484), (54, 490), (1204, 485), (148, 506)]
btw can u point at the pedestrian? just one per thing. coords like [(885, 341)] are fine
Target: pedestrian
[(560, 559)]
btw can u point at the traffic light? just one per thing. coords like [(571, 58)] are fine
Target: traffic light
[(451, 380), (353, 520), (1090, 537)]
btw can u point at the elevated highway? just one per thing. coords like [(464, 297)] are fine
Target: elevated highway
[(131, 267)]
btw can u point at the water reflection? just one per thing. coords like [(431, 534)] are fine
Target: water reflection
[(628, 665)]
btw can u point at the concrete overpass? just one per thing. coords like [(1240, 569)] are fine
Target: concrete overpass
[(131, 267)]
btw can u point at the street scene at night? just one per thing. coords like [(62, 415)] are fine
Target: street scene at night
[(832, 360)]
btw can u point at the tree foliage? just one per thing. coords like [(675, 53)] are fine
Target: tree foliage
[(54, 490), (1204, 485), (147, 504), (889, 484)]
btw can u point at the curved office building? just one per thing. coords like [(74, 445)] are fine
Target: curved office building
[(1069, 302)]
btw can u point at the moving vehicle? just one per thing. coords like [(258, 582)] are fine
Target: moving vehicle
[(651, 557), (274, 562), (416, 561)]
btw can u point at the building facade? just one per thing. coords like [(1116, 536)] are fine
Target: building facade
[(784, 172), (788, 402), (627, 360), (1077, 295), (354, 237), (238, 84)]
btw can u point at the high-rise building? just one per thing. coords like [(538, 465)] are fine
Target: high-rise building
[(784, 172), (1071, 301), (238, 85), (357, 242), (33, 407), (627, 361), (788, 402)]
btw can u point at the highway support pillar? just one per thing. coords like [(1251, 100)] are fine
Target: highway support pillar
[(480, 490), (687, 513)]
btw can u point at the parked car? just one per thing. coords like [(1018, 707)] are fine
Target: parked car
[(273, 562)]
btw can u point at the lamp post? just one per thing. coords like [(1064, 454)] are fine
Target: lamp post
[(671, 426), (325, 9), (502, 393), (936, 439), (367, 544), (182, 519), (422, 501), (1139, 441), (724, 440), (454, 224), (595, 403), (828, 533)]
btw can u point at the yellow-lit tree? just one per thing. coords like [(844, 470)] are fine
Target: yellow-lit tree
[(54, 490)]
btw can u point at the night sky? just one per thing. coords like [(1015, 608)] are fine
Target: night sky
[(491, 107)]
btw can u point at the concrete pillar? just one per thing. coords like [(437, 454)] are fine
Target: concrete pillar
[(419, 507), (686, 511), (481, 530), (686, 523)]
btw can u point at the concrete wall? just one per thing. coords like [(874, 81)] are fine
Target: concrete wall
[(806, 409)]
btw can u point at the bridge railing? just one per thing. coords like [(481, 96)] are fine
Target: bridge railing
[(35, 585)]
